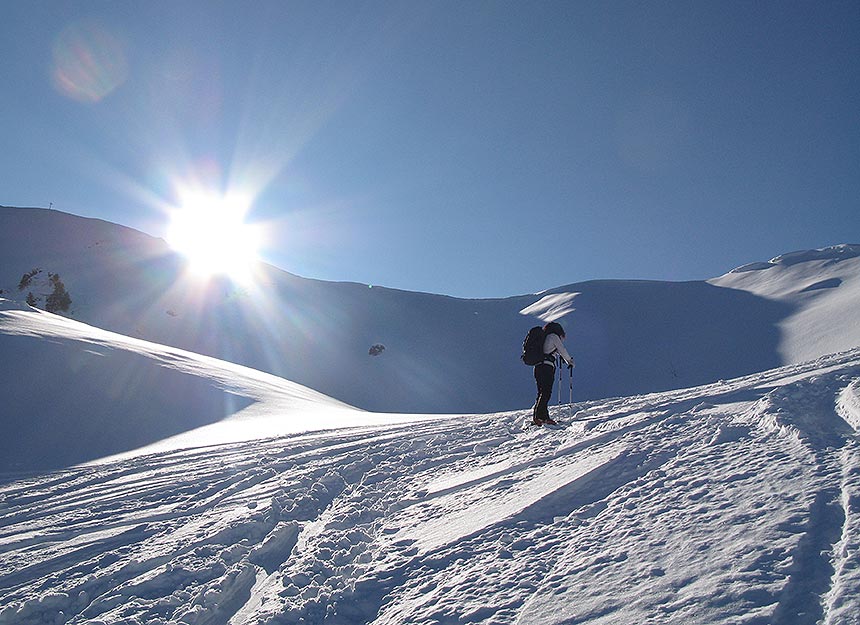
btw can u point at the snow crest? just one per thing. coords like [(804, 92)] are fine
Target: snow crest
[(833, 253), (848, 405), (551, 307)]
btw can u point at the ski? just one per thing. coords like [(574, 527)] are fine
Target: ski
[(528, 424)]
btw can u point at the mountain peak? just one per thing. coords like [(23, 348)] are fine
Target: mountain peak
[(833, 253)]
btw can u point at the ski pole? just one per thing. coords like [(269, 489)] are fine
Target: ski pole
[(558, 366), (570, 380)]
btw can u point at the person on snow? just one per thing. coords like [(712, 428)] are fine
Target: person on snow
[(553, 346)]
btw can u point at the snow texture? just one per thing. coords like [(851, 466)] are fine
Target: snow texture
[(442, 354), (734, 502), (147, 484)]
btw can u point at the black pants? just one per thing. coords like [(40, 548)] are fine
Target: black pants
[(544, 376)]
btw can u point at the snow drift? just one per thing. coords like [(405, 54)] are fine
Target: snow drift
[(73, 393)]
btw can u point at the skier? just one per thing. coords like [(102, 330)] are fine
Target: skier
[(545, 371)]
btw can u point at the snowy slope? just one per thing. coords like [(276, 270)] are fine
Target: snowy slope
[(823, 287), (72, 393), (442, 354), (256, 500), (315, 333), (730, 503)]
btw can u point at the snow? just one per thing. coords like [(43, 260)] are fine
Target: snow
[(120, 394), (148, 484), (734, 502), (823, 289), (552, 307), (442, 354)]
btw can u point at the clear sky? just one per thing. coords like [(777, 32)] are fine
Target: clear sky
[(471, 148)]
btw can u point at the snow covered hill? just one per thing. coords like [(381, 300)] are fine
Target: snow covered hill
[(822, 288), (146, 484), (735, 502), (441, 354), (71, 393)]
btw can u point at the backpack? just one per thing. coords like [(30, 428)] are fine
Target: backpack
[(533, 347)]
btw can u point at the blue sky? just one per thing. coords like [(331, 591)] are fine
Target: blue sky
[(469, 148)]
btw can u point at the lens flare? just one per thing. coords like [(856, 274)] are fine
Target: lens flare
[(88, 62)]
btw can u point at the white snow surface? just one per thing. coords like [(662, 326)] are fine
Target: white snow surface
[(76, 393), (706, 472), (733, 502), (442, 354), (822, 287)]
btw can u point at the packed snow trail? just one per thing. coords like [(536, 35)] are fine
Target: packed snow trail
[(730, 503)]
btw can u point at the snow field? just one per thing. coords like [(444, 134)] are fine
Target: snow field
[(630, 336), (730, 503)]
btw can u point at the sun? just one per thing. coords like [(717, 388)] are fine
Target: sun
[(211, 232)]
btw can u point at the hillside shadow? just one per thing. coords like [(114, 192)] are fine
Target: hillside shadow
[(638, 337), (69, 404), (462, 356)]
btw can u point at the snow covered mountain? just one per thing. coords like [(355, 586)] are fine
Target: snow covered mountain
[(147, 484), (441, 354), (733, 502)]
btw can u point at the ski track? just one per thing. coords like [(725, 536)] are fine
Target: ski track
[(620, 517)]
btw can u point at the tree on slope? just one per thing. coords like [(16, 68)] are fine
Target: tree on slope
[(59, 299)]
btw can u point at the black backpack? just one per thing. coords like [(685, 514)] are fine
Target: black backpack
[(533, 347)]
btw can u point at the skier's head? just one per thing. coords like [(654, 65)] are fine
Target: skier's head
[(554, 328)]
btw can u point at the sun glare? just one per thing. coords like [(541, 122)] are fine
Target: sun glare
[(212, 234)]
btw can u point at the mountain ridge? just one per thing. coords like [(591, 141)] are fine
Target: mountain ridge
[(258, 501), (442, 353)]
